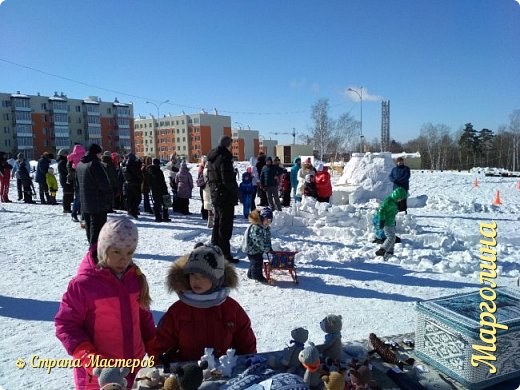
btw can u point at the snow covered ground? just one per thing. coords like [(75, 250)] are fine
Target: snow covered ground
[(40, 249)]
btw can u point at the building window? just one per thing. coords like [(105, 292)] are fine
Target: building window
[(78, 108), (183, 131), (183, 139), (184, 148), (109, 110), (177, 123), (79, 132), (6, 130), (44, 107), (182, 122), (5, 117)]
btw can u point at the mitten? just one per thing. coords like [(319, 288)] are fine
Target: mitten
[(381, 224), (85, 353)]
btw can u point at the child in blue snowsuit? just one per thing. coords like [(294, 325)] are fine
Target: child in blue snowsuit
[(246, 192)]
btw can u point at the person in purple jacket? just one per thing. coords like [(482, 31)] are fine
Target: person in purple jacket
[(104, 314), (184, 182)]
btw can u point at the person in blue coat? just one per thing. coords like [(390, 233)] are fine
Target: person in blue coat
[(245, 191), (294, 175), (400, 176)]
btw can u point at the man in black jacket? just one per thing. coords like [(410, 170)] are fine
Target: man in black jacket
[(224, 194), (95, 192)]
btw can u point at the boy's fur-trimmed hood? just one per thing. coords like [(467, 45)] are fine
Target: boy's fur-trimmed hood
[(178, 282)]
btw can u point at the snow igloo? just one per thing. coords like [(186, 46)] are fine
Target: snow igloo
[(364, 177)]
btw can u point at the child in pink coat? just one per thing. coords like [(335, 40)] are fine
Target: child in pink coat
[(105, 311)]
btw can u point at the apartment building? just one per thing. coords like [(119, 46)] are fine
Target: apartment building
[(190, 136), (33, 124), (245, 144)]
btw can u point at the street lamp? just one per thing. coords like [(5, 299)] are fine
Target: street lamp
[(240, 125), (157, 106), (360, 94)]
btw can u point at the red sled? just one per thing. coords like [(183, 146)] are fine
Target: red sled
[(280, 260)]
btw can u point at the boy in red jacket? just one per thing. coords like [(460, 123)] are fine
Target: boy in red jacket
[(204, 316)]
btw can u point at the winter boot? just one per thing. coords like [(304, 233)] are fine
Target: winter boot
[(211, 219), (380, 252)]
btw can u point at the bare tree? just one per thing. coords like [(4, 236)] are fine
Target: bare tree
[(321, 131)]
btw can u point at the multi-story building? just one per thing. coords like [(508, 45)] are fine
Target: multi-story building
[(245, 144), (190, 136), (33, 124), (268, 146)]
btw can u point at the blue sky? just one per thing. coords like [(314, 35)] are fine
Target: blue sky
[(266, 63)]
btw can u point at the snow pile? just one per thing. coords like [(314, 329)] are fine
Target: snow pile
[(366, 175), (336, 265)]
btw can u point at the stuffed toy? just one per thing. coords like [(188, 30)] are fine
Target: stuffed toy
[(386, 353), (334, 381), (152, 379), (208, 357), (361, 377), (310, 359), (171, 383), (111, 378), (290, 358), (332, 347), (190, 376), (228, 362)]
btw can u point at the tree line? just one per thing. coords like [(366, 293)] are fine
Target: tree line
[(439, 146)]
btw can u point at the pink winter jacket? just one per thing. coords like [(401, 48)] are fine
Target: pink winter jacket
[(75, 156), (101, 309)]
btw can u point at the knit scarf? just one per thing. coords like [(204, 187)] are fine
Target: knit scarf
[(203, 301), (330, 337)]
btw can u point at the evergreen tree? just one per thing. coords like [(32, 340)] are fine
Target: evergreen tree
[(468, 143), (485, 138)]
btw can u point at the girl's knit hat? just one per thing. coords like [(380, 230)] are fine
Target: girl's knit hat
[(118, 232)]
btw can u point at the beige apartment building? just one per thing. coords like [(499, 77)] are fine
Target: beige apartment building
[(33, 124), (189, 136)]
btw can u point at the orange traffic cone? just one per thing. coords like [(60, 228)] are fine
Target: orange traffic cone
[(497, 199), (475, 183)]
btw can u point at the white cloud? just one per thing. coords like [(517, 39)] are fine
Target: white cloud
[(358, 92), (1, 1), (518, 1)]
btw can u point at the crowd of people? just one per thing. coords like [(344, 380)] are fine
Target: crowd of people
[(105, 311)]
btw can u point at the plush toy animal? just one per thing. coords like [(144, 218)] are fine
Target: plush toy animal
[(332, 347), (208, 357), (171, 383), (386, 353), (111, 378), (361, 377), (228, 362), (152, 380), (190, 375), (290, 358), (334, 381), (310, 359)]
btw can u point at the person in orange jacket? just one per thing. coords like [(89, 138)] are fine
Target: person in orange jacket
[(323, 185)]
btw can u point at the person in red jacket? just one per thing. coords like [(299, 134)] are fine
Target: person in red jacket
[(204, 316), (323, 185)]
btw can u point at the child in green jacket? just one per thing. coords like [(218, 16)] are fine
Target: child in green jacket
[(386, 213)]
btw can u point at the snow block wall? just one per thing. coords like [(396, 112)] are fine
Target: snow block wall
[(367, 175)]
